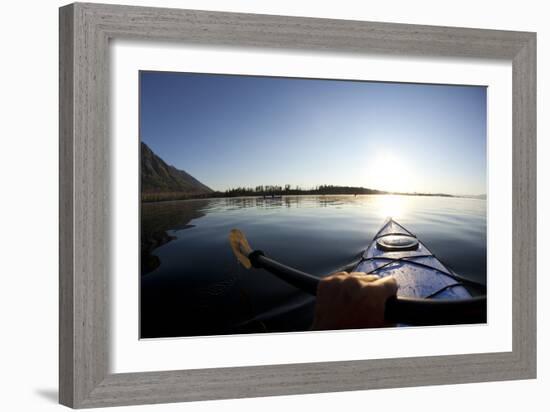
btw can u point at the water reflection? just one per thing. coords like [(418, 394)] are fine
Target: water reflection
[(192, 285), (314, 201), (159, 218)]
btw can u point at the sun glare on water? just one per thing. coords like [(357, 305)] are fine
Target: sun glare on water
[(391, 205), (390, 172)]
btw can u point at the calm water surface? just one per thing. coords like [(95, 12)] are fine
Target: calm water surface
[(191, 283)]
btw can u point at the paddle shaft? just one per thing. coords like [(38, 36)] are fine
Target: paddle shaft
[(301, 280), (410, 311)]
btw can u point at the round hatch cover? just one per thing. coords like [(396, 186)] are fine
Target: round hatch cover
[(397, 243)]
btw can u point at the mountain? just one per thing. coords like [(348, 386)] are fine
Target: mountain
[(161, 181)]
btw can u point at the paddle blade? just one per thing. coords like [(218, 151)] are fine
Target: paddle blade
[(241, 248)]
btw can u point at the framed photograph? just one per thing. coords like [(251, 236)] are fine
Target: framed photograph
[(242, 196)]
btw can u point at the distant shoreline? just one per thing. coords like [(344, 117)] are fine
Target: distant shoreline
[(169, 197), (163, 182)]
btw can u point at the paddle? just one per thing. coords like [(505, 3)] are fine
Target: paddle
[(256, 258), (410, 311)]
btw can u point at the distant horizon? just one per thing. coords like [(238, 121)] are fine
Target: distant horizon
[(305, 189), (246, 131)]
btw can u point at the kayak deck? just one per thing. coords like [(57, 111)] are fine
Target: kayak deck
[(397, 252)]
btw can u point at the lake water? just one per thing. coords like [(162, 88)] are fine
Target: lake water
[(192, 285)]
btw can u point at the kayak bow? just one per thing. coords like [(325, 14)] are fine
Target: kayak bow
[(396, 252)]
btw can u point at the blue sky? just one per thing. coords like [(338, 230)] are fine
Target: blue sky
[(230, 131)]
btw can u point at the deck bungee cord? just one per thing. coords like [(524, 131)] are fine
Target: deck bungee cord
[(409, 260)]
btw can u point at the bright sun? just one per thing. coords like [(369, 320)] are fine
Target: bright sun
[(389, 172)]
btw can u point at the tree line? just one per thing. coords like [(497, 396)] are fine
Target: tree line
[(270, 191), (275, 190)]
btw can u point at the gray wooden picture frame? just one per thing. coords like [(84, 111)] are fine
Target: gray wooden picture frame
[(85, 31)]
